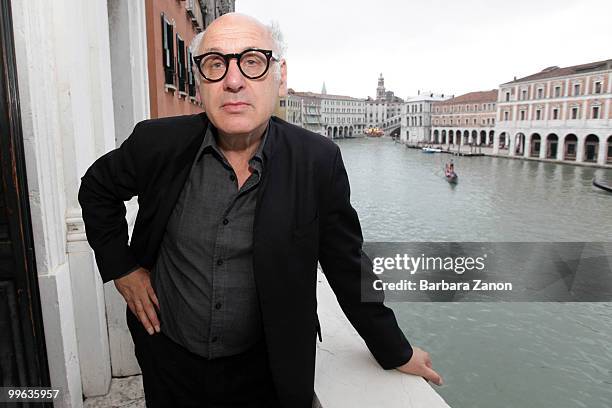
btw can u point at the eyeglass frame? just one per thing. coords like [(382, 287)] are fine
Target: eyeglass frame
[(269, 54)]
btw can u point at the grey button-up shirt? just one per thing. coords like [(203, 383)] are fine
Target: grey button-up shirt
[(203, 276)]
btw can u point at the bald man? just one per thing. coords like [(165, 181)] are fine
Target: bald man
[(235, 209)]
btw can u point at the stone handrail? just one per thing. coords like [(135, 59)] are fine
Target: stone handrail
[(347, 374)]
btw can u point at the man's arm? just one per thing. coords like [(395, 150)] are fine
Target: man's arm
[(108, 182), (343, 261)]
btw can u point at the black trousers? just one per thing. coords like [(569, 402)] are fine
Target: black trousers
[(175, 377)]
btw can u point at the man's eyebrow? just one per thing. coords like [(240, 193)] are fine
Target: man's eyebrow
[(215, 49)]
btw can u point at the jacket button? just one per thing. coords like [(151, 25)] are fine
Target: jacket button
[(214, 339), (219, 262), (225, 221), (232, 177), (218, 305)]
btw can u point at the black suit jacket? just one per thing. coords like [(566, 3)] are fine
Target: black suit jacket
[(303, 214)]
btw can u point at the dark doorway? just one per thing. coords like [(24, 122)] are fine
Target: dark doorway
[(591, 144), (553, 150), (23, 359), (590, 153)]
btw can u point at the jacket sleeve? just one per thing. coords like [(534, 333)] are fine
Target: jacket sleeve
[(349, 271), (108, 182)]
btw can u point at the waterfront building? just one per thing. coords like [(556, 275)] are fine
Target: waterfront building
[(467, 119), (342, 116), (301, 109), (311, 112), (384, 111), (334, 116), (416, 117), (558, 114), (289, 108)]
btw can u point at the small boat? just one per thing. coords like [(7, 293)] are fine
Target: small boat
[(452, 177), (449, 173), (374, 132), (604, 185), (431, 150)]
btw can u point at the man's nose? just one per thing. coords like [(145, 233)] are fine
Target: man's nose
[(234, 80)]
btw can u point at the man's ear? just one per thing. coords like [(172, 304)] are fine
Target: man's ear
[(282, 88)]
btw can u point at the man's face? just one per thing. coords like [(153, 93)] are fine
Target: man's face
[(238, 105)]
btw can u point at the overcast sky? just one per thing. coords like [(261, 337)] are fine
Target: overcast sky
[(445, 46)]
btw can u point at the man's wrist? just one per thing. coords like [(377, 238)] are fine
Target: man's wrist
[(406, 359), (132, 269)]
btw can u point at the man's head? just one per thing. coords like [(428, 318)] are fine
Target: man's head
[(238, 105)]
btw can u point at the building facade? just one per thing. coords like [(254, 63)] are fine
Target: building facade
[(468, 119), (334, 116), (289, 108), (171, 25), (559, 114), (311, 112), (385, 110), (342, 116), (416, 117)]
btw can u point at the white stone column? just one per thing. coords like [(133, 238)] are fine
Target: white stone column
[(512, 144), (68, 121), (527, 145), (128, 43), (543, 146), (580, 148), (88, 132), (560, 146), (496, 142), (602, 149), (37, 28)]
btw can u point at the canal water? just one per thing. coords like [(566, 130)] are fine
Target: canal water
[(493, 354)]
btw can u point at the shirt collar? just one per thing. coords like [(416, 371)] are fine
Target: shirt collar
[(210, 142)]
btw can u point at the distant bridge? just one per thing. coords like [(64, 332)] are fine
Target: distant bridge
[(391, 126)]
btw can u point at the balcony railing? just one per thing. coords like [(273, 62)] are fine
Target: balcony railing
[(347, 374)]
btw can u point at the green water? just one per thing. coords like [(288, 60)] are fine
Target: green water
[(493, 354)]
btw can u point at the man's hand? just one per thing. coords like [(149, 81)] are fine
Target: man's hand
[(420, 364), (136, 289)]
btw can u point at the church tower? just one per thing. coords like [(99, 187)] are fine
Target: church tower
[(380, 90)]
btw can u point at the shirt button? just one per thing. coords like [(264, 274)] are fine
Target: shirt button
[(214, 339), (218, 305), (219, 262), (225, 221)]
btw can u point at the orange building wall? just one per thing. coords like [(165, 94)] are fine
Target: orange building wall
[(165, 102)]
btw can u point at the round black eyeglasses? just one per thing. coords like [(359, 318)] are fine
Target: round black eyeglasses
[(252, 62)]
